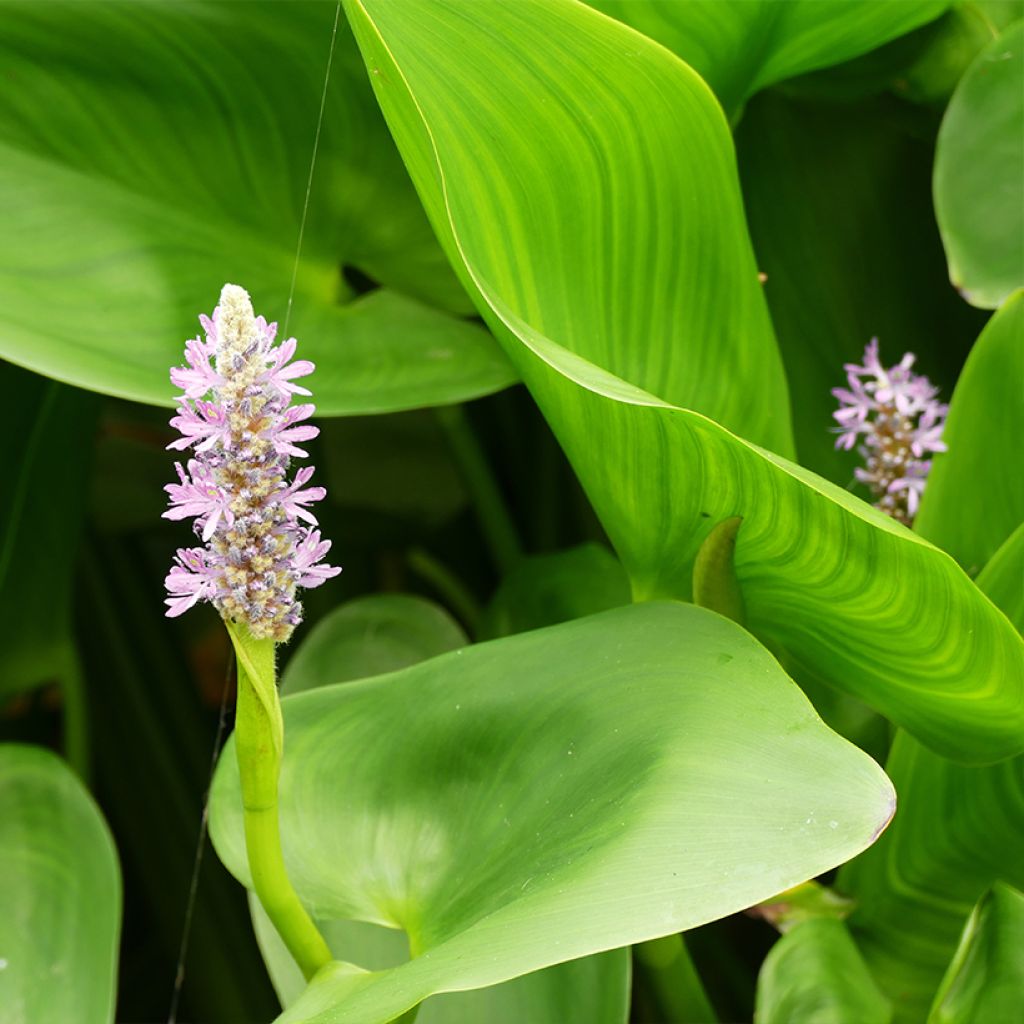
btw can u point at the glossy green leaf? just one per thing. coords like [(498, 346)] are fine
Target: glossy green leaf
[(974, 499), (740, 46), (958, 830), (539, 798), (815, 975), (146, 158), (546, 589), (624, 291), (384, 633), (979, 166), (60, 890), (837, 196), (985, 981), (592, 988), (368, 637), (41, 515)]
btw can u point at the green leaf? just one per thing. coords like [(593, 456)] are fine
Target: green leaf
[(975, 499), (985, 981), (979, 165), (539, 798), (604, 243), (146, 158), (740, 47), (60, 889), (958, 830), (593, 988), (547, 589), (815, 975), (368, 637)]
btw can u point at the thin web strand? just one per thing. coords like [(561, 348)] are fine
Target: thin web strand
[(312, 167), (179, 973)]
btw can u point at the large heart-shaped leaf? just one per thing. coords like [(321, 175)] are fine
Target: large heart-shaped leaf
[(543, 797), (975, 499), (148, 154), (985, 981), (979, 165), (596, 217), (740, 46), (594, 988), (383, 633), (959, 829), (814, 974), (60, 890)]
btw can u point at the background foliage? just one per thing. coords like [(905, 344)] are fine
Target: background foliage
[(548, 369)]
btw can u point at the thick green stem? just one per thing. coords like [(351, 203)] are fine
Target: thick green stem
[(491, 510), (259, 742), (715, 585), (676, 984)]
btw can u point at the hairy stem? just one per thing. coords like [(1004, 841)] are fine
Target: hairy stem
[(259, 741)]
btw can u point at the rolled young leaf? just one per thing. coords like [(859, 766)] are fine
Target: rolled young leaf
[(596, 218), (539, 798), (60, 890), (814, 974), (985, 981)]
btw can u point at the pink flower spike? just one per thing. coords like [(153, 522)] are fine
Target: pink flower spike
[(896, 413), (308, 553), (234, 414), (292, 499), (190, 580)]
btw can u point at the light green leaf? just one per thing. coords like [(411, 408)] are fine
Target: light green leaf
[(604, 242), (540, 798), (60, 890), (985, 981), (975, 496), (815, 975), (368, 637), (979, 166), (593, 988), (740, 46), (147, 156), (958, 830), (546, 589)]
